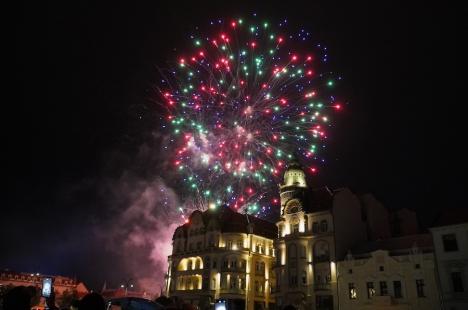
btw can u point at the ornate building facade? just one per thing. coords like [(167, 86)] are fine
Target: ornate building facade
[(304, 259), (316, 227), (222, 254)]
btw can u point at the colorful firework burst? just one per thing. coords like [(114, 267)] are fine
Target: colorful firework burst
[(245, 100)]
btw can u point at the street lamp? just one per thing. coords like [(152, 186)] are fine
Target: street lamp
[(126, 284)]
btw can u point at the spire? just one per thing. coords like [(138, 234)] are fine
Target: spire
[(104, 287), (294, 164)]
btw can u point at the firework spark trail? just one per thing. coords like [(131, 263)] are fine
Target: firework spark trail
[(241, 104)]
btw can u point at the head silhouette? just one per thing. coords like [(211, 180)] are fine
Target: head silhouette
[(92, 301), (18, 298)]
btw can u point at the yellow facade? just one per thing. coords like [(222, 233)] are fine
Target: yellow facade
[(208, 264)]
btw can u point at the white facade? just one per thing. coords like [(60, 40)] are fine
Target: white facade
[(382, 281), (451, 250)]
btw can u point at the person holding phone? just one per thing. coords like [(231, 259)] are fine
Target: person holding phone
[(46, 287), (48, 293)]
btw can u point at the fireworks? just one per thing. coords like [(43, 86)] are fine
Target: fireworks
[(241, 103)]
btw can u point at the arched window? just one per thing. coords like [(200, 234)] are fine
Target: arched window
[(315, 227), (197, 263), (292, 251), (321, 251), (243, 264), (323, 226), (234, 263), (189, 264), (292, 277)]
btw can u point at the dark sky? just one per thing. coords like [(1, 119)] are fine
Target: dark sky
[(88, 82)]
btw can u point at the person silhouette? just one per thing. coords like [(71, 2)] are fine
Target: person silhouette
[(18, 298), (92, 301)]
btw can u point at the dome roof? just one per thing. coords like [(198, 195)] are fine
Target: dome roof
[(294, 165)]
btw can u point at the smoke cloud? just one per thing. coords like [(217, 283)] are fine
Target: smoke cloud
[(141, 214)]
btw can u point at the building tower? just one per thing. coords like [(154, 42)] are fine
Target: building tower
[(294, 187)]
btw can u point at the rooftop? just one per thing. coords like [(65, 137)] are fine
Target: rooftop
[(451, 216), (396, 246), (232, 221)]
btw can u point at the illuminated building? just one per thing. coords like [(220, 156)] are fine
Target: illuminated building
[(395, 273), (316, 227), (305, 260), (222, 254), (62, 285)]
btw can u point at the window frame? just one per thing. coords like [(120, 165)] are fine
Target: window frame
[(383, 288), (420, 288), (400, 289), (450, 243)]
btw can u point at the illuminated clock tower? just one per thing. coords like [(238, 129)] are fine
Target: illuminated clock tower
[(293, 189)]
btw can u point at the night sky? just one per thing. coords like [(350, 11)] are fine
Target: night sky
[(82, 148)]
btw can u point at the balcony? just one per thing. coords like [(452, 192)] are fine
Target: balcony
[(260, 272), (232, 269), (237, 291), (321, 259), (322, 286), (259, 294), (385, 300)]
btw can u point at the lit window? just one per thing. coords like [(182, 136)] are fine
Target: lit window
[(352, 291), (370, 290)]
